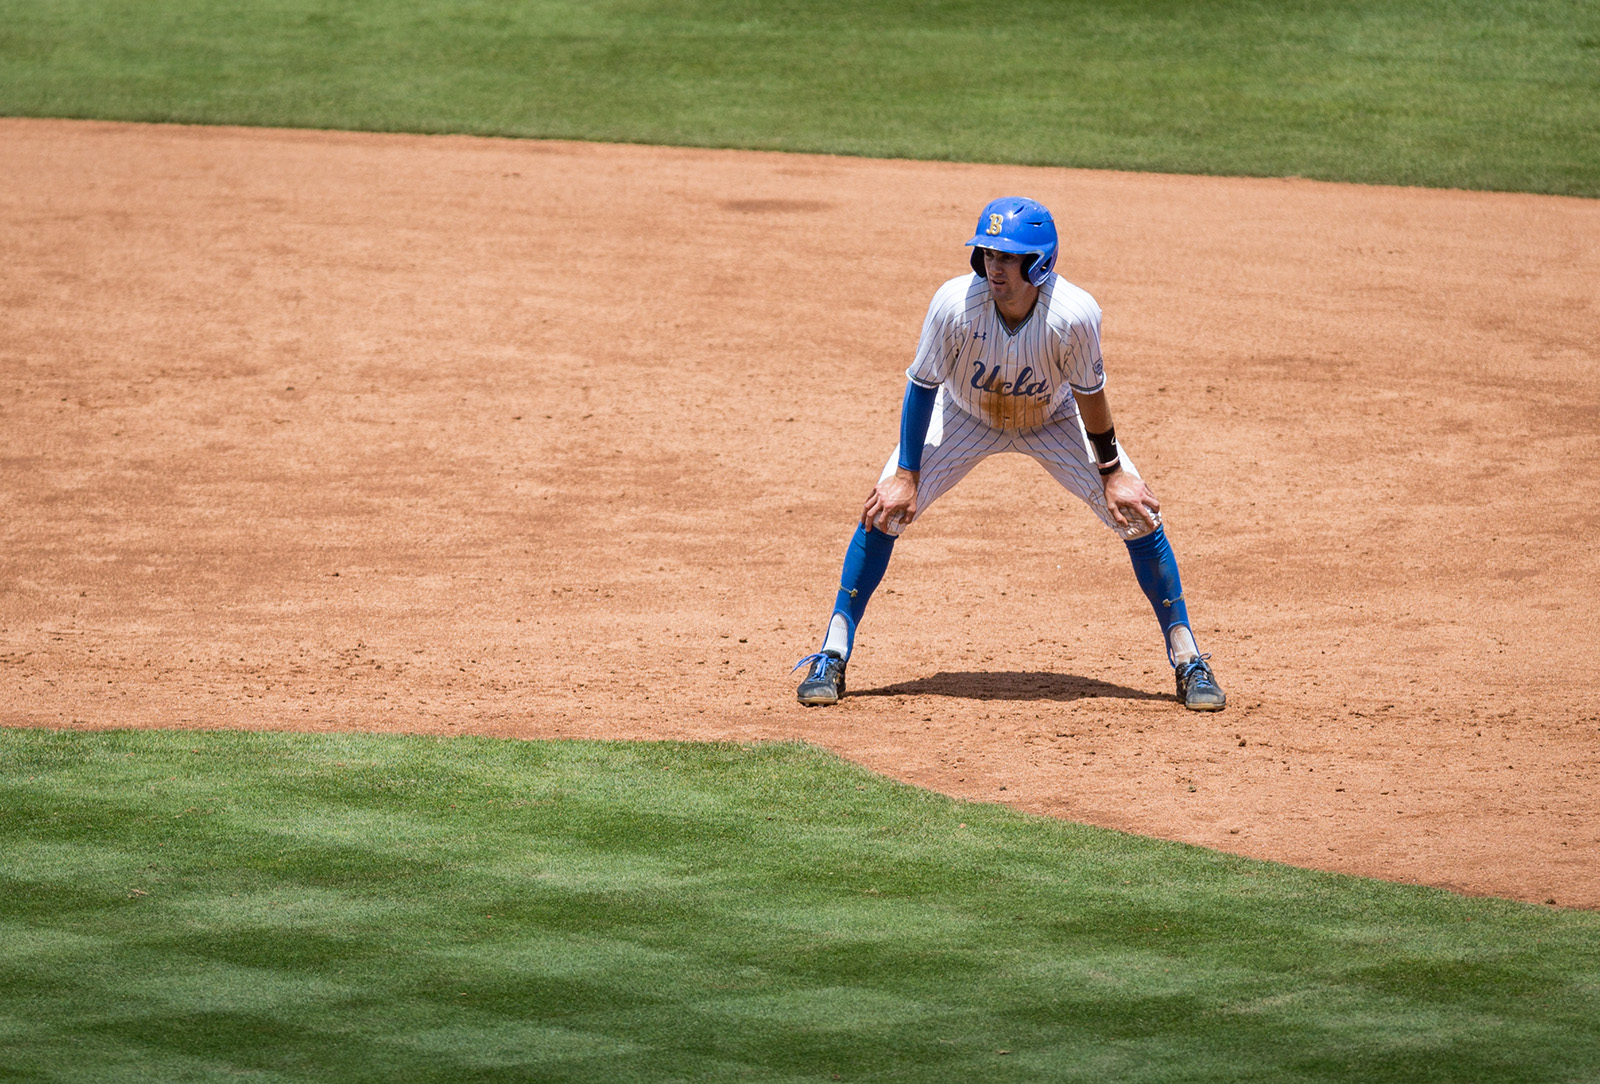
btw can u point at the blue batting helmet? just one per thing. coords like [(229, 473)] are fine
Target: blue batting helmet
[(1023, 226)]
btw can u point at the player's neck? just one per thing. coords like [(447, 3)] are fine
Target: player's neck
[(1017, 308)]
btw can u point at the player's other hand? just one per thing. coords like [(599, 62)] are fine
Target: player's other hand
[(892, 503), (1129, 500)]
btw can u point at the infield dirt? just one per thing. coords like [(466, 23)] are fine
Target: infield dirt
[(338, 431)]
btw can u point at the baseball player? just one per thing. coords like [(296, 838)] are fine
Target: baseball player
[(1009, 361)]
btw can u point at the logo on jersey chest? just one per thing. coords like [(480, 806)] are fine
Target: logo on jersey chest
[(991, 379)]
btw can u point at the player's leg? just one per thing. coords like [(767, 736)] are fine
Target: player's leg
[(956, 443), (1061, 449), (865, 561), (1157, 571)]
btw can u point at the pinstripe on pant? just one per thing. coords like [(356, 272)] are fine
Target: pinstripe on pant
[(957, 442)]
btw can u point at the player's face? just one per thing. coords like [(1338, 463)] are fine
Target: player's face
[(1004, 272)]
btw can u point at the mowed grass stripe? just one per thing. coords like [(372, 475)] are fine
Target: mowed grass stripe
[(1454, 93), (198, 905)]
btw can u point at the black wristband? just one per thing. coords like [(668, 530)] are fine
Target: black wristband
[(1109, 468), (1105, 450)]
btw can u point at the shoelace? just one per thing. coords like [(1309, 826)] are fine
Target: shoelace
[(1197, 663), (810, 659)]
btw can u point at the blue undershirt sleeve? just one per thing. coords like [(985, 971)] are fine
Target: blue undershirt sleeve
[(915, 415)]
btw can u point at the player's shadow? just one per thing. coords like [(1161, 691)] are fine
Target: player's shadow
[(1011, 685)]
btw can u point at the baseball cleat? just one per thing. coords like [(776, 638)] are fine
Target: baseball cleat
[(824, 682), (1197, 686)]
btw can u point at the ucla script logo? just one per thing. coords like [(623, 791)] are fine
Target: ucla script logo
[(988, 379)]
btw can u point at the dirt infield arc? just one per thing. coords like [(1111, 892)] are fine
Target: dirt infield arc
[(337, 431)]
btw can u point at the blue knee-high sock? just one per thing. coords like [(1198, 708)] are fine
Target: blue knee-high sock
[(1157, 571), (864, 565)]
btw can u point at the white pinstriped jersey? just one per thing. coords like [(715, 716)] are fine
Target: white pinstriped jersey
[(1018, 379)]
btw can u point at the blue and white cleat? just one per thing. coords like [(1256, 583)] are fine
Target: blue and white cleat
[(824, 682)]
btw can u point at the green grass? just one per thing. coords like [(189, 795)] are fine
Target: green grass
[(193, 907), (1463, 93)]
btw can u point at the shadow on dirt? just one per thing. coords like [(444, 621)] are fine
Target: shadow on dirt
[(1011, 685)]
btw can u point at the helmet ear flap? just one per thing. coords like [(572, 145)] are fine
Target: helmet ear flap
[(977, 263), (1039, 267)]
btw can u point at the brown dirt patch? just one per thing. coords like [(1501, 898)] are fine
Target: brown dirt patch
[(454, 435)]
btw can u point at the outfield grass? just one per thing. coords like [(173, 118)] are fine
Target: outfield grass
[(1463, 93), (194, 907)]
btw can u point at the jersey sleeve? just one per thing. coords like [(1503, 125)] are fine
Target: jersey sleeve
[(936, 354), (1086, 369)]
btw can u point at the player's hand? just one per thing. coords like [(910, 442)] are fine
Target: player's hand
[(892, 503), (1128, 499)]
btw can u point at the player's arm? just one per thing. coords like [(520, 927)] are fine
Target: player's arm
[(1126, 495), (893, 501)]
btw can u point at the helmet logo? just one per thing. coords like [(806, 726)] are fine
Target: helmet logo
[(996, 223)]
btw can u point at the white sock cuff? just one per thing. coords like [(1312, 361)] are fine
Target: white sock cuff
[(838, 638)]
